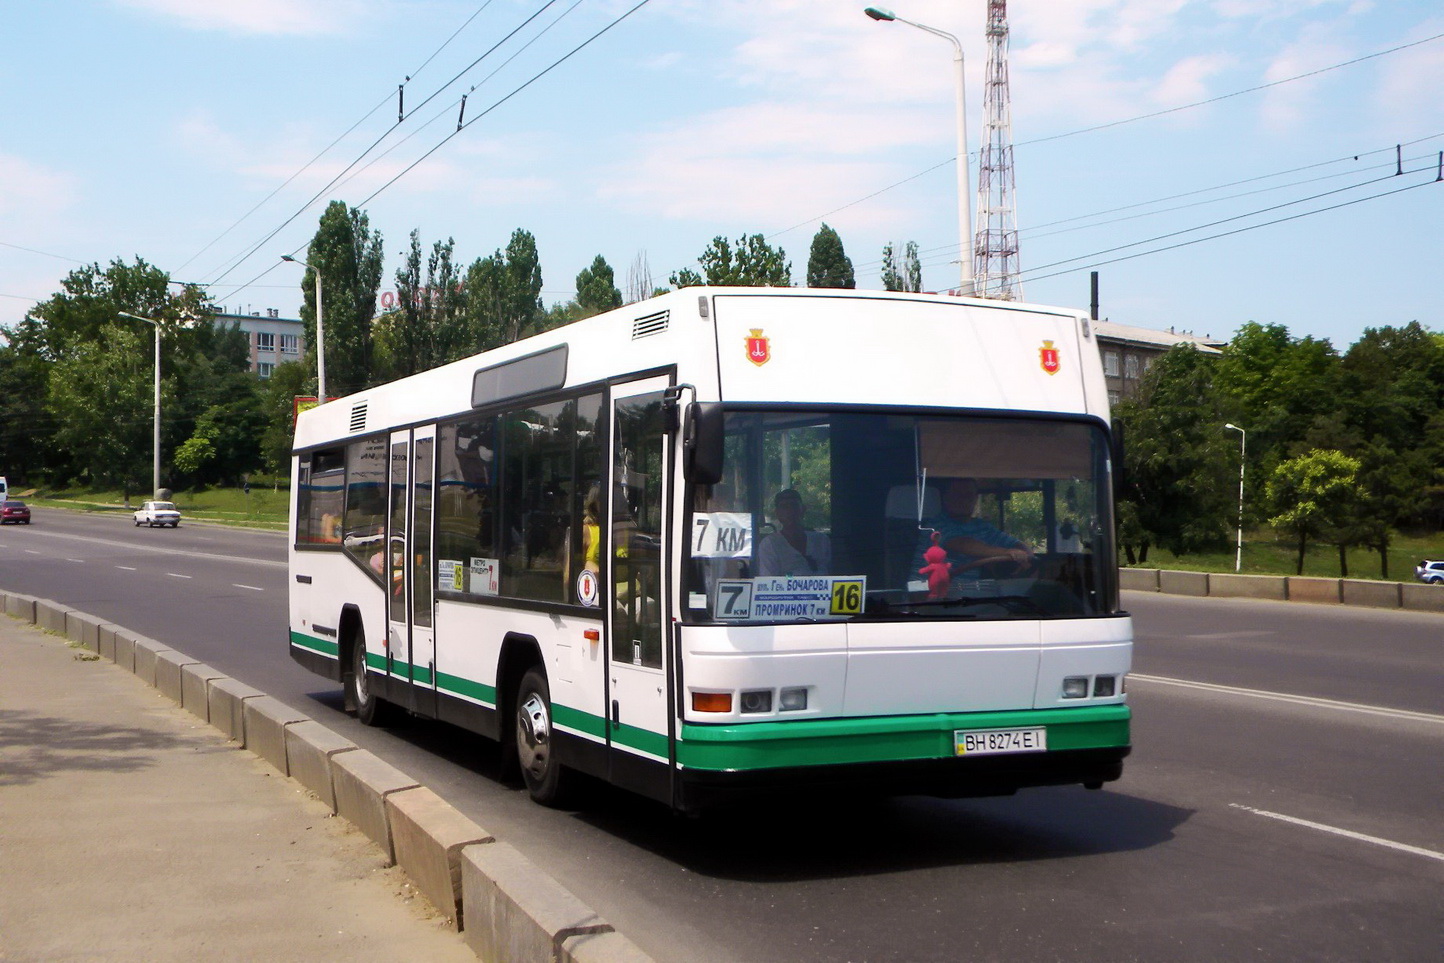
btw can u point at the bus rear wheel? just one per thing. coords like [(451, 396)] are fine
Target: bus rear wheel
[(535, 747)]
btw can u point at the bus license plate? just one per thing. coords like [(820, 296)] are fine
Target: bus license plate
[(993, 742)]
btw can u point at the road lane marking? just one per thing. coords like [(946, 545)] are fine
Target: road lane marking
[(80, 560), (128, 568), (1347, 833), (174, 575), (31, 551), (252, 588), (1314, 701), (137, 547)]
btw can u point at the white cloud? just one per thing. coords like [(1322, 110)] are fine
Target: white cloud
[(1288, 106), (267, 17), (767, 163), (30, 194), (1187, 81), (1407, 96)]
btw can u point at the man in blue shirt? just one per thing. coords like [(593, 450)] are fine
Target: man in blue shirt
[(970, 541)]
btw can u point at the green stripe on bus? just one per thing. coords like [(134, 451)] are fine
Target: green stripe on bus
[(643, 740), (314, 644), (579, 721), (465, 687), (771, 745)]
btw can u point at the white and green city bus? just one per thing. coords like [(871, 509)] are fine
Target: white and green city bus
[(571, 545)]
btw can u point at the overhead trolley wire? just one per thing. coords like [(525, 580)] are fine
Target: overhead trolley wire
[(331, 183), (1211, 237), (365, 117), (412, 166), (445, 111), (930, 257), (1122, 122)]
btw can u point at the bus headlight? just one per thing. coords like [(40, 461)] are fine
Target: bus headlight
[(792, 700), (1075, 687), (1104, 686), (756, 700)]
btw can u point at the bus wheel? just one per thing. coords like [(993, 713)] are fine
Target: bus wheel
[(534, 747), (369, 708)]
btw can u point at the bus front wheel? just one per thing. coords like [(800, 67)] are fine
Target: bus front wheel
[(369, 708), (535, 747)]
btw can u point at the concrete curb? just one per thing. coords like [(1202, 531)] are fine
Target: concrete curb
[(196, 680), (266, 720), (512, 902), (428, 836), (227, 699), (362, 781), (527, 915), (1368, 593), (310, 750)]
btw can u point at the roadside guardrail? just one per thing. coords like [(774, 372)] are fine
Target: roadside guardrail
[(1414, 597)]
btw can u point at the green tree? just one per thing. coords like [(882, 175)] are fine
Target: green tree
[(1276, 386), (429, 326), (828, 266), (597, 288), (912, 268), (101, 396), (503, 295), (752, 262), (348, 254), (687, 278), (904, 275), (1311, 494), (97, 369), (1179, 466), (277, 407), (25, 423)]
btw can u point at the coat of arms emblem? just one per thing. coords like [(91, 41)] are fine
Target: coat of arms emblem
[(1048, 358), (759, 348)]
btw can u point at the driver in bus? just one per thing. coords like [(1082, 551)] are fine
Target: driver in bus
[(969, 540), (792, 549)]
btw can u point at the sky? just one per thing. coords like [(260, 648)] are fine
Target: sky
[(206, 136)]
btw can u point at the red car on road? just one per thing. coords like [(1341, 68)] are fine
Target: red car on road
[(14, 510)]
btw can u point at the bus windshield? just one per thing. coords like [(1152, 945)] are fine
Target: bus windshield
[(866, 515)]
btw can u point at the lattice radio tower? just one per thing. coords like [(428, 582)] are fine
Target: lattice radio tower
[(995, 245)]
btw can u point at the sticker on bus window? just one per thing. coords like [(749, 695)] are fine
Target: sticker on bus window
[(450, 575), (588, 589), (485, 576), (788, 597), (722, 535)]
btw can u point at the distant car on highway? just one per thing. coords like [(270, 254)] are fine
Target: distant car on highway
[(158, 513), (1430, 571), (14, 510)]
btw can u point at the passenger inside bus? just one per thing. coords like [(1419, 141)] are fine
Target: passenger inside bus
[(793, 549), (971, 542)]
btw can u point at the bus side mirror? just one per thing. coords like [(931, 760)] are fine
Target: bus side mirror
[(1116, 455), (702, 443)]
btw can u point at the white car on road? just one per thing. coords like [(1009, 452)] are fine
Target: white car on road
[(158, 513)]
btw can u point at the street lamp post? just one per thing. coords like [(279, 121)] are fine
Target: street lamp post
[(320, 331), (1242, 450), (155, 461), (965, 194)]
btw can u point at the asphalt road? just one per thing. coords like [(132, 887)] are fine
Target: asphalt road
[(1282, 801)]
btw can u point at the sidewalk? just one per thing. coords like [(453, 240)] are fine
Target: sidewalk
[(132, 831)]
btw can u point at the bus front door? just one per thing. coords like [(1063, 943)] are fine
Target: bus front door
[(639, 729)]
